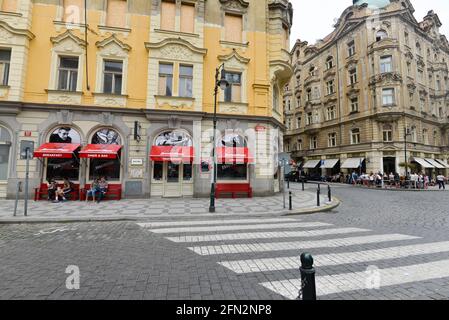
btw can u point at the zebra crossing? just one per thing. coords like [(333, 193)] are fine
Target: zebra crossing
[(242, 246)]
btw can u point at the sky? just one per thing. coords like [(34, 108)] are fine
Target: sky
[(314, 20)]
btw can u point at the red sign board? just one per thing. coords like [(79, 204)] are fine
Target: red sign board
[(100, 151), (172, 154), (56, 150)]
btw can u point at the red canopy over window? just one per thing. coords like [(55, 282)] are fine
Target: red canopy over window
[(56, 150), (100, 151), (172, 154), (233, 155)]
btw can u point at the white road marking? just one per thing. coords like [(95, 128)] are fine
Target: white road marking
[(262, 226), (211, 222), (289, 263), (332, 284), (265, 235), (297, 245)]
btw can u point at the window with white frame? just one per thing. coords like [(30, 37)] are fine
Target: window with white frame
[(309, 118), (422, 104), (5, 61), (331, 113), (387, 133), (68, 73), (425, 136), (387, 97), (5, 145), (353, 76), (298, 122), (112, 76), (312, 71), (313, 142), (329, 63), (309, 94), (386, 64), (351, 48), (354, 104), (165, 79), (233, 92), (185, 81), (332, 140), (330, 86), (355, 136)]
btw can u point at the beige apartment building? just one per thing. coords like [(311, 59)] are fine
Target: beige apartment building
[(355, 93)]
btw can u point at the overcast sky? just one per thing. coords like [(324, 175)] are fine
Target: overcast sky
[(313, 19)]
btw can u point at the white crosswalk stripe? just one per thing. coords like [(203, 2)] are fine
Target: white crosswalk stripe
[(331, 284), (285, 263), (297, 245), (209, 222), (263, 226), (266, 235), (231, 237)]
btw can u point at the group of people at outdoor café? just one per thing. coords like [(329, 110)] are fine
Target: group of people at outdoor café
[(97, 191), (394, 180)]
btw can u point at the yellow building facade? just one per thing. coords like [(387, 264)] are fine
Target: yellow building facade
[(140, 75)]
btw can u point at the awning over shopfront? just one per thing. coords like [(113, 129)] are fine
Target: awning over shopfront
[(423, 163), (100, 151), (311, 164), (435, 164), (226, 155), (352, 163), (172, 154), (330, 163), (442, 162), (56, 150)]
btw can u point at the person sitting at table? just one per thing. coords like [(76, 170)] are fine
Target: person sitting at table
[(52, 187), (94, 189), (103, 187)]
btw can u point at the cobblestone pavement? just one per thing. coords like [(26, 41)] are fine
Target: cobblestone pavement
[(396, 243), (161, 207)]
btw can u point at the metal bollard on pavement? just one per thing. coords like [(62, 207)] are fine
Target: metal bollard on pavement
[(308, 288), (318, 191), (329, 194), (302, 184), (290, 205)]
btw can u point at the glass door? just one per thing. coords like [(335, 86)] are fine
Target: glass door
[(172, 181)]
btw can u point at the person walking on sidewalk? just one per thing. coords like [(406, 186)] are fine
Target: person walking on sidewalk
[(440, 181)]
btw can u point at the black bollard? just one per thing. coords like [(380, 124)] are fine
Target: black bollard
[(329, 194), (290, 205), (302, 184), (288, 183), (318, 196), (308, 291)]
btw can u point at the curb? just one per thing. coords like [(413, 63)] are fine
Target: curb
[(398, 190), (326, 208)]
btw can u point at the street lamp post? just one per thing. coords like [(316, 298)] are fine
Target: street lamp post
[(406, 134), (222, 84)]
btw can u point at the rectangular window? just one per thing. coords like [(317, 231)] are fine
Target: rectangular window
[(234, 28), (420, 75), (58, 169), (104, 168), (387, 135), (116, 13), (232, 172), (351, 48), (354, 105), (165, 79), (298, 122), (68, 73), (355, 136), (5, 60), (187, 172), (113, 75), (187, 18), (422, 104), (313, 143), (387, 97), (233, 93), (4, 160), (73, 11), (353, 76), (158, 170), (330, 87), (331, 113), (185, 81), (332, 140), (309, 118), (9, 5), (386, 64), (168, 14)]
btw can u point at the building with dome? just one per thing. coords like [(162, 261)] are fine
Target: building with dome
[(371, 94)]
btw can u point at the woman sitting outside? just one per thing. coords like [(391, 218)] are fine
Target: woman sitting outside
[(52, 188), (103, 187), (94, 189)]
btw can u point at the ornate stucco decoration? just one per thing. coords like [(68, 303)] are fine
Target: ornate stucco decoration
[(385, 78), (68, 35), (176, 49), (411, 87), (234, 55), (7, 32), (113, 46), (237, 6)]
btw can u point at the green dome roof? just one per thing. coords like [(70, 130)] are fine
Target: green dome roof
[(374, 4)]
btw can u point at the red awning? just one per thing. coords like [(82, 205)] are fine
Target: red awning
[(100, 151), (56, 150), (233, 155), (172, 154)]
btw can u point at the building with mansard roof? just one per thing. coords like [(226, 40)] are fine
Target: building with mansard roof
[(379, 80)]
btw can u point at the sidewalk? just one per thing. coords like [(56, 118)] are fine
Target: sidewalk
[(304, 202)]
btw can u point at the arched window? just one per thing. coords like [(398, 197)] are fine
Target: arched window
[(312, 71), (59, 169), (109, 168), (329, 62), (5, 143), (381, 34), (418, 48), (175, 138)]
